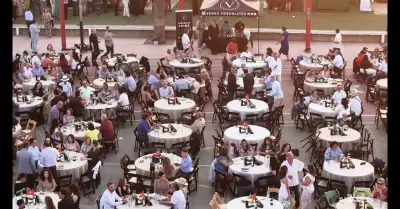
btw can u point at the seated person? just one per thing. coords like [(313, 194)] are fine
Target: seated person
[(325, 72), (118, 73), (239, 26), (311, 74), (223, 161), (331, 54), (380, 190), (86, 145), (37, 70), (268, 83), (339, 93), (144, 126), (186, 163), (333, 152), (123, 188), (71, 144), (94, 155), (232, 47), (168, 58), (167, 168), (307, 52), (161, 185), (177, 200), (181, 83), (103, 72), (267, 148), (150, 95), (46, 181), (21, 185), (343, 108), (314, 98), (383, 69), (245, 149), (199, 123), (166, 91), (105, 94), (68, 117), (92, 132)]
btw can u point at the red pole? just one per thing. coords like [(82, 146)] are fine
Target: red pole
[(181, 4), (62, 25), (308, 24)]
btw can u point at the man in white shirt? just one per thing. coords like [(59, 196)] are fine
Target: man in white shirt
[(339, 93), (355, 105), (185, 40), (28, 20), (165, 91), (276, 91), (86, 91), (293, 168), (239, 72), (27, 71), (276, 66), (66, 86), (123, 100), (110, 199), (337, 41), (48, 159), (37, 59), (177, 200), (126, 8), (338, 63), (382, 70)]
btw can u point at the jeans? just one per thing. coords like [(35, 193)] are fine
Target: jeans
[(110, 50), (28, 23), (295, 190), (34, 45)]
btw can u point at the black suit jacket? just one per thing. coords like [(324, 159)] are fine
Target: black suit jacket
[(93, 154), (66, 203), (248, 82), (365, 63), (232, 86)]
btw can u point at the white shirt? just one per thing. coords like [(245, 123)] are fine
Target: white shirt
[(338, 40), (185, 41), (383, 66), (355, 105), (340, 110), (66, 87), (165, 92), (268, 60), (48, 157), (338, 61), (107, 200), (239, 73), (339, 95), (27, 73), (86, 92), (178, 200), (293, 171), (28, 16), (276, 90), (37, 60), (123, 100), (276, 66), (238, 62), (197, 86)]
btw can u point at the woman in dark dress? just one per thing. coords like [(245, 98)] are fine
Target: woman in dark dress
[(21, 184), (123, 188), (274, 182), (284, 43), (267, 148), (37, 90)]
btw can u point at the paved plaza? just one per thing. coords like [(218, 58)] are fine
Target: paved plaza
[(111, 170)]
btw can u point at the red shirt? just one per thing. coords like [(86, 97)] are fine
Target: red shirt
[(376, 194), (107, 130), (232, 48), (63, 63), (359, 59)]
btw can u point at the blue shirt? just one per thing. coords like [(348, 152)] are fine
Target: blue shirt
[(130, 83), (165, 92), (219, 166), (153, 81), (333, 154), (268, 84), (54, 113), (35, 151), (286, 40), (26, 163), (37, 71), (85, 147), (143, 128), (181, 84), (67, 88), (186, 164)]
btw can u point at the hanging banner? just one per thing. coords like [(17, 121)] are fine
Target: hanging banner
[(183, 20)]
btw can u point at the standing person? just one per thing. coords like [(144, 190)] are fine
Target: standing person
[(94, 44), (28, 20), (115, 4), (65, 9), (248, 82), (75, 7), (307, 188), (126, 8), (34, 31), (110, 199), (292, 175), (83, 7), (232, 85), (105, 6), (177, 200), (213, 32), (97, 6), (47, 21), (26, 164), (14, 9), (200, 27), (337, 41), (185, 40), (108, 41), (288, 5), (34, 149), (284, 43), (48, 159), (57, 8)]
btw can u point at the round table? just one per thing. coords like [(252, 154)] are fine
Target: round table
[(232, 134), (143, 168), (307, 65), (251, 65), (321, 109), (382, 83), (68, 129), (53, 196), (98, 83), (24, 106), (352, 136), (101, 108), (332, 170), (349, 203), (238, 204), (183, 134), (76, 168), (178, 63), (259, 84), (235, 106), (155, 205), (254, 171), (112, 61), (174, 111), (328, 88), (28, 85)]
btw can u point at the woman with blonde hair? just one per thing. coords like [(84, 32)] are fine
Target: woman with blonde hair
[(199, 123), (167, 168), (207, 80)]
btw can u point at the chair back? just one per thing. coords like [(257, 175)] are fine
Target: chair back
[(362, 192), (332, 196), (98, 201)]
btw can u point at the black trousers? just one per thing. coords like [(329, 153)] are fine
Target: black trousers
[(211, 45), (116, 5), (95, 54), (105, 6), (230, 95), (296, 192), (110, 50), (28, 23)]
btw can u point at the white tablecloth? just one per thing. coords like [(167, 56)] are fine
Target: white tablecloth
[(382, 83), (254, 171), (251, 65), (348, 203), (112, 61), (183, 134), (332, 170), (238, 204), (155, 205), (76, 168), (100, 106), (53, 196), (321, 109), (27, 86), (178, 63), (352, 136), (67, 130), (143, 168), (174, 111), (23, 106), (259, 84), (98, 83), (189, 79), (235, 106), (307, 65), (328, 88), (232, 134), (370, 71)]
